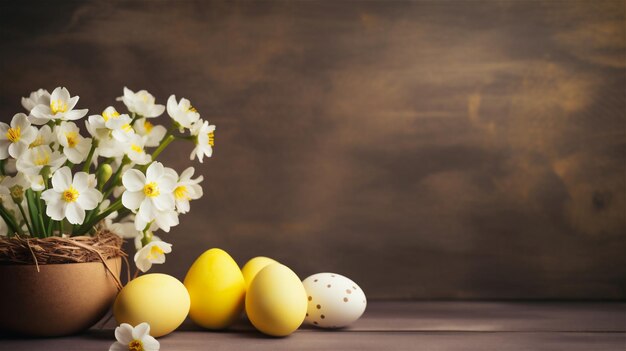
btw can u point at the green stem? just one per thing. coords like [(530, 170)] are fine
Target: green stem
[(8, 219), (33, 211), (94, 145), (61, 228), (162, 147), (117, 205), (115, 178), (30, 229)]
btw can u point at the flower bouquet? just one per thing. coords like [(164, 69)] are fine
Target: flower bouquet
[(68, 196)]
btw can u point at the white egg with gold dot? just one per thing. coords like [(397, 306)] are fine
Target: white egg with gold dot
[(334, 301)]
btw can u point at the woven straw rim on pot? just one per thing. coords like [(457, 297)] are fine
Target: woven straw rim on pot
[(103, 246)]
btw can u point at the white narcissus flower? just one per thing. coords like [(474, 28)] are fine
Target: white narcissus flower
[(75, 146), (205, 140), (61, 107), (15, 138), (134, 339), (152, 253), (187, 189), (149, 194), (136, 152), (69, 198), (41, 96), (35, 159), (45, 136), (141, 103), (182, 112), (152, 134)]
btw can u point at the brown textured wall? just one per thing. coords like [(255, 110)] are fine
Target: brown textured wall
[(456, 149)]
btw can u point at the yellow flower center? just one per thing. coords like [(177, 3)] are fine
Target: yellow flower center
[(181, 192), (148, 126), (127, 128), (42, 158), (72, 139), (155, 252), (136, 148), (37, 142), (58, 106), (151, 189), (211, 138), (70, 195), (135, 345), (191, 109), (14, 134), (107, 115)]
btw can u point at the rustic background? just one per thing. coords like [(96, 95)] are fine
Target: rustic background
[(455, 149)]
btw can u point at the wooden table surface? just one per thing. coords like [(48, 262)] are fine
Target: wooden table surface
[(404, 325)]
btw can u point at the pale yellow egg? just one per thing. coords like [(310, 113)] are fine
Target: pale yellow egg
[(276, 301), (217, 290), (158, 299), (252, 267)]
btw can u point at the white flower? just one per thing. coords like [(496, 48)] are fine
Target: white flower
[(134, 339), (35, 159), (151, 133), (75, 146), (150, 194), (187, 189), (70, 198), (44, 136), (141, 103), (152, 253), (205, 139), (182, 112), (41, 96), (15, 138), (61, 107), (136, 152)]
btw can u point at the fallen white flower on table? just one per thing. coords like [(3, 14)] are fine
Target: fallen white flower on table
[(17, 137), (205, 140), (153, 253), (61, 107), (70, 198), (141, 103), (134, 339)]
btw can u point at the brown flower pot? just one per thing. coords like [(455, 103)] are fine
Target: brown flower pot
[(60, 299)]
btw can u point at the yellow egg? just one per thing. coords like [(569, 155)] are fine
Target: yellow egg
[(216, 288), (276, 301), (159, 299), (252, 267)]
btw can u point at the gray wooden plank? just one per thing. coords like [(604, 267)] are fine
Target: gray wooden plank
[(319, 340), (403, 326)]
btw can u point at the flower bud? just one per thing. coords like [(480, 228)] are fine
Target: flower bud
[(104, 173), (17, 193)]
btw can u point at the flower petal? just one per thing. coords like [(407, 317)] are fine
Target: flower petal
[(81, 181), (141, 330), (124, 333), (62, 179), (154, 172), (74, 213), (172, 106), (150, 343), (76, 114), (132, 199), (116, 346), (89, 199), (164, 202), (134, 180)]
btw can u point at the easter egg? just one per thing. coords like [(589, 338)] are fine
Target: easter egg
[(334, 301), (217, 290), (158, 299), (276, 301), (252, 267)]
